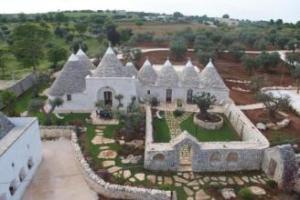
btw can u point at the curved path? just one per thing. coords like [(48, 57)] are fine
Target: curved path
[(58, 176)]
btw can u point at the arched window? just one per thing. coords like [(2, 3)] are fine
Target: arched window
[(30, 163), (13, 187), (215, 158), (159, 157), (22, 174), (232, 157)]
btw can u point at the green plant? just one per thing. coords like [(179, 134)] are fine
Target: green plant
[(204, 101), (154, 102), (246, 194), (178, 112), (272, 184)]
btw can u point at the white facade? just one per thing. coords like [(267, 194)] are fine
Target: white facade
[(166, 82), (20, 156)]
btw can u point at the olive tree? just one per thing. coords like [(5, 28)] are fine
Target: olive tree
[(296, 75), (178, 47), (204, 101), (272, 103)]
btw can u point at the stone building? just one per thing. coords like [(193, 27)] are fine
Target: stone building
[(80, 85), (20, 155)]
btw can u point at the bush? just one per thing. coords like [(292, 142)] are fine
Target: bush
[(246, 194), (178, 112), (154, 102), (272, 184)]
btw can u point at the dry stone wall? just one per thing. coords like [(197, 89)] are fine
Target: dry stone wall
[(209, 156)]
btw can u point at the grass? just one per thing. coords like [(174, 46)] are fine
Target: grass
[(279, 137), (161, 130), (226, 133)]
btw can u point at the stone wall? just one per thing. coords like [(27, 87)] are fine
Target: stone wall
[(112, 190), (280, 164), (53, 132), (209, 156)]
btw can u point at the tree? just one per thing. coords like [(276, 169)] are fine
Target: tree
[(81, 27), (204, 101), (257, 82), (272, 103), (226, 16), (250, 64), (237, 50), (77, 44), (9, 99), (29, 41), (3, 59), (296, 75), (204, 56), (139, 22), (113, 35), (267, 61), (178, 47), (56, 54), (177, 15)]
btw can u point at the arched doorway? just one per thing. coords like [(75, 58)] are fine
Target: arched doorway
[(185, 157), (189, 96), (169, 95), (107, 98)]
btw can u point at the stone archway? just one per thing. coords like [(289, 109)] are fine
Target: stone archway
[(185, 157)]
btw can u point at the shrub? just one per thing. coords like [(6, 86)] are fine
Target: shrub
[(246, 194), (154, 101), (272, 184), (178, 112)]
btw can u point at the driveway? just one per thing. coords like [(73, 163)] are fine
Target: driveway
[(58, 177)]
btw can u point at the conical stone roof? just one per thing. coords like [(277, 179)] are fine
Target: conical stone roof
[(147, 75), (190, 77), (110, 66), (72, 78), (167, 76), (5, 125), (210, 77), (85, 59), (130, 69)]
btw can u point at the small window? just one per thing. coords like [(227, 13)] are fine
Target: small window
[(30, 163), (13, 187), (22, 175), (148, 92), (69, 97)]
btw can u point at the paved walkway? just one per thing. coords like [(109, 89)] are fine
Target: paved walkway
[(58, 177)]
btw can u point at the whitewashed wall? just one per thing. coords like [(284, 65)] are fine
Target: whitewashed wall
[(27, 146)]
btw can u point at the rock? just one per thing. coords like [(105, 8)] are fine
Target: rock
[(179, 180), (228, 193), (201, 195), (261, 126), (230, 181), (222, 178), (257, 190), (168, 180), (108, 154), (121, 142), (113, 169), (126, 174), (104, 148), (131, 159), (151, 178), (140, 176), (245, 178), (238, 180), (186, 175), (132, 180), (136, 143), (188, 191), (108, 163), (193, 183)]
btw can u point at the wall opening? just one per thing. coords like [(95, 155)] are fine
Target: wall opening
[(22, 174), (272, 167), (30, 163), (158, 157), (189, 96), (185, 156), (169, 95), (13, 187), (215, 158)]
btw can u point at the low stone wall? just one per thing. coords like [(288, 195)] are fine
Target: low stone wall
[(278, 88), (22, 85), (54, 132), (209, 156), (112, 190), (209, 125)]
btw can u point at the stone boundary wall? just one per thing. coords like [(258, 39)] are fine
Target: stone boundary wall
[(209, 156), (20, 86), (54, 132), (278, 88), (112, 190)]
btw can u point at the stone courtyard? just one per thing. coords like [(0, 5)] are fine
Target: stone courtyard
[(194, 185)]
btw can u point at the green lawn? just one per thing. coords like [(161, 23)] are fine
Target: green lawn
[(161, 130), (226, 133)]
